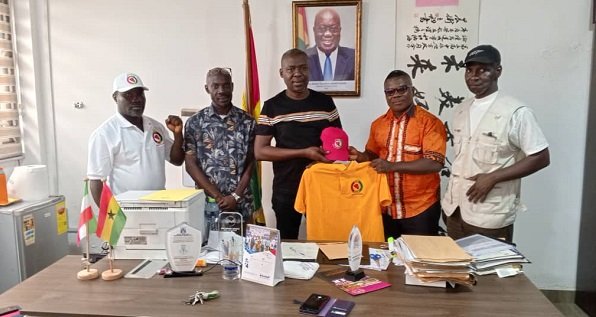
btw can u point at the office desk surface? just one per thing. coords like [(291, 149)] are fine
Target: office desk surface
[(56, 291)]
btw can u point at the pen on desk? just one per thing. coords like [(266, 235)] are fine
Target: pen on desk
[(296, 251), (145, 263)]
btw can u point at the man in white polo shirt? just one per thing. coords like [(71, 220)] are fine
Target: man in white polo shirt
[(129, 149)]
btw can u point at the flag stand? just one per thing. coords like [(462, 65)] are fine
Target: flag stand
[(87, 273), (110, 225), (112, 273), (85, 220)]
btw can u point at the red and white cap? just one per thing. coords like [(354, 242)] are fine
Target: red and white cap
[(127, 81), (335, 144)]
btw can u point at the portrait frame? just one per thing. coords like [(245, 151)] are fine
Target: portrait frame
[(344, 43)]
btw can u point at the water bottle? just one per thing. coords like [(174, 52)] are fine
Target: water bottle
[(230, 257), (230, 270), (211, 215)]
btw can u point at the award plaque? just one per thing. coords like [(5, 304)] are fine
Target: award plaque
[(230, 234), (354, 255), (183, 246)]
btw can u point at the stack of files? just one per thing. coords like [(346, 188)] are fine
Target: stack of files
[(434, 261), (490, 254)]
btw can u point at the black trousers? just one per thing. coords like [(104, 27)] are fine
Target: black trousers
[(288, 219), (426, 223)]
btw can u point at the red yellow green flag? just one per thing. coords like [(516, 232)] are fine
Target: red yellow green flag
[(251, 103), (111, 218), (303, 42), (86, 217)]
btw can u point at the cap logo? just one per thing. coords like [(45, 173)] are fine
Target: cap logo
[(131, 79), (356, 186), (475, 52), (157, 138), (337, 144)]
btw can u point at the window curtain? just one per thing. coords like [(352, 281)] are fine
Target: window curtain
[(10, 130)]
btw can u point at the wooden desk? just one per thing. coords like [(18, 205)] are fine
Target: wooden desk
[(56, 291)]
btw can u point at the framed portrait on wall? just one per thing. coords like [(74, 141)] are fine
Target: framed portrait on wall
[(329, 33)]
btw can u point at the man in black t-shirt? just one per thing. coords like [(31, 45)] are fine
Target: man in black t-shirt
[(295, 118)]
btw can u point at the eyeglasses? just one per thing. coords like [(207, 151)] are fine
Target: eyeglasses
[(400, 90), (333, 29)]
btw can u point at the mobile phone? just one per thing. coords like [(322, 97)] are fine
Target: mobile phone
[(314, 303), (340, 308)]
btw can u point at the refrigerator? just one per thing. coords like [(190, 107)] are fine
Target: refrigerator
[(33, 235)]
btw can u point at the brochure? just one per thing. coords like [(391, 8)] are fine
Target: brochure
[(366, 285), (262, 260)]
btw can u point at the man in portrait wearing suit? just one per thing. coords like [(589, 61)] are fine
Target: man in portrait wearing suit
[(327, 60)]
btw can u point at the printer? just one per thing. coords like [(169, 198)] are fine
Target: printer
[(147, 221)]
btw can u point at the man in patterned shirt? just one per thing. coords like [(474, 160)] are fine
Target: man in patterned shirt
[(219, 147), (408, 143)]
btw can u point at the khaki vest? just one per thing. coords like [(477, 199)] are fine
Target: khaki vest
[(487, 150)]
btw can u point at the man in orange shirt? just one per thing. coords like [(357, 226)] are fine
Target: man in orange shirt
[(408, 143)]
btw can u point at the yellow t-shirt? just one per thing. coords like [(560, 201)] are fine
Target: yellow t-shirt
[(336, 196)]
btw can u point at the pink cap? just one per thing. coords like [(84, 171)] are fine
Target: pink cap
[(335, 144)]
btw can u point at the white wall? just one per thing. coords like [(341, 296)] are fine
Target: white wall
[(172, 46), (548, 66)]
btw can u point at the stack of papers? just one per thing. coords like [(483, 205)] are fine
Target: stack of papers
[(300, 259), (434, 261), (492, 256), (300, 270)]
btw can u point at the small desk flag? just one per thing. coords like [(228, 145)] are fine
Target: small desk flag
[(87, 215), (111, 218)]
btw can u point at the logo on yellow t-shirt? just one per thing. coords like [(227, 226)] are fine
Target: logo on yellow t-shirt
[(356, 186)]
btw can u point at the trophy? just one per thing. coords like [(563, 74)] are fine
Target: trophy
[(354, 255), (230, 234), (183, 248)]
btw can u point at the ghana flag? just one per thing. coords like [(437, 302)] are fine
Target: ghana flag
[(302, 27), (111, 218), (251, 103)]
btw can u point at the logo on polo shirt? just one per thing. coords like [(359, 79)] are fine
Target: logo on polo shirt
[(356, 186), (131, 79), (157, 138)]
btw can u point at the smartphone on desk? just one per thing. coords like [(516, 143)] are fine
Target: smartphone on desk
[(340, 308), (313, 304)]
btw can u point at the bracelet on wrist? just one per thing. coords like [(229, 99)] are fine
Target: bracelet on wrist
[(236, 197)]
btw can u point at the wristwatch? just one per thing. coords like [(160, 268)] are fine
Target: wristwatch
[(236, 197)]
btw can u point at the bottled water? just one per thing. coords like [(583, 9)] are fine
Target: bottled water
[(231, 270), (211, 215)]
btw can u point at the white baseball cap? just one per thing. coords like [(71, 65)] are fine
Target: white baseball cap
[(127, 81)]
